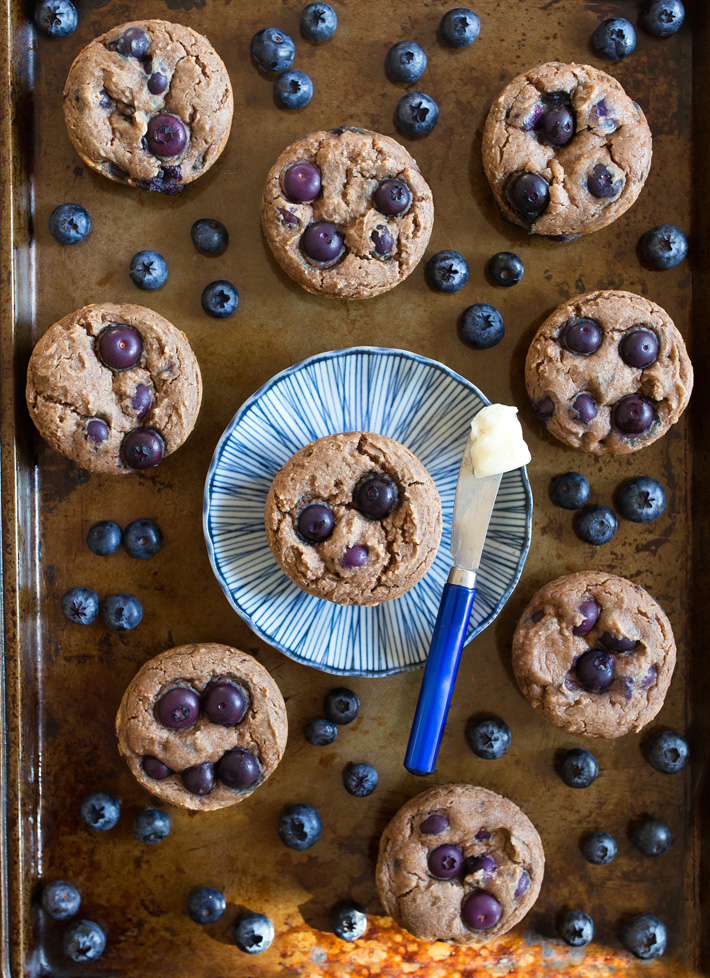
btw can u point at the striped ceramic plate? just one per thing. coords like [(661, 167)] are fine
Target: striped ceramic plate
[(417, 401)]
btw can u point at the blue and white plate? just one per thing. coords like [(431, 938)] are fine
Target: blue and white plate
[(420, 403)]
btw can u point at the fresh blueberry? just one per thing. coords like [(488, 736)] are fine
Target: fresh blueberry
[(320, 732), (60, 900), (349, 921), (434, 824), (238, 769), (392, 197), (578, 768), (663, 17), (253, 933), (651, 836), (142, 539), (84, 941), (584, 408), (155, 769), (199, 779), (416, 114), (582, 336), (576, 928), (405, 61), (224, 703), (595, 524), (570, 491), (459, 27), (505, 269), (664, 246), (633, 414), (589, 610), (272, 50), (599, 848), (293, 89), (556, 125), (206, 905), (69, 223), (122, 612), (614, 39), (382, 240), (376, 496), (133, 43), (481, 326), (639, 348), (104, 538), (447, 271), (142, 448), (299, 826), (667, 752), (209, 236), (488, 737), (302, 183), (148, 270), (645, 936), (151, 825), (445, 861), (56, 18), (480, 910), (529, 195), (220, 299), (360, 779), (595, 670), (641, 499), (341, 705), (315, 522), (157, 83), (318, 21), (322, 242), (601, 183), (166, 136), (80, 605), (355, 556), (100, 811)]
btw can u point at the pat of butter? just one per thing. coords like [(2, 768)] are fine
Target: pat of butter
[(497, 443)]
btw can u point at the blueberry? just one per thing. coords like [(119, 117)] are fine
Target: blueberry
[(523, 885), (209, 236), (84, 941), (122, 612), (480, 910), (663, 17), (641, 499), (447, 271), (645, 936), (445, 861), (119, 346), (151, 825), (355, 556), (582, 336), (315, 523), (486, 865), (148, 270), (60, 900), (529, 195), (142, 448), (97, 431), (206, 905), (166, 136), (142, 539), (651, 836), (392, 197), (618, 643), (360, 779), (302, 183), (664, 246), (633, 414), (544, 409), (56, 18), (505, 269), (253, 933), (405, 61), (595, 524), (104, 538), (224, 703), (601, 183), (318, 21), (293, 89), (576, 928), (667, 752), (133, 43), (459, 27), (556, 125), (570, 491), (639, 348), (416, 114), (100, 811), (349, 921), (589, 610), (157, 83), (481, 326), (595, 670), (80, 605), (376, 496), (341, 705), (488, 737), (599, 848), (154, 768), (69, 223), (272, 50), (584, 408), (614, 39), (299, 826), (320, 732), (322, 242), (434, 824), (199, 779), (220, 299), (238, 769), (578, 768)]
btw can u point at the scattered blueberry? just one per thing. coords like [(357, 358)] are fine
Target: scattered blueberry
[(302, 183), (315, 522), (664, 246), (349, 921), (84, 941), (595, 670), (445, 861), (100, 811), (224, 703), (639, 348), (601, 183), (633, 414), (318, 21), (253, 933), (206, 905), (293, 89), (341, 705), (199, 779), (488, 737), (416, 114), (576, 928), (155, 768), (209, 236), (578, 768), (589, 610), (595, 524), (272, 50), (481, 326), (505, 269), (447, 271), (320, 732), (667, 752), (459, 27), (392, 197), (529, 195), (69, 223), (299, 826), (582, 336), (405, 61), (119, 346), (641, 499), (645, 936), (599, 848), (142, 448), (376, 496), (60, 900), (80, 605), (663, 17), (151, 825), (104, 538), (148, 270), (322, 242), (238, 769), (56, 18), (651, 836), (480, 910), (166, 136), (360, 779), (122, 612), (142, 539), (570, 491), (220, 299), (614, 39)]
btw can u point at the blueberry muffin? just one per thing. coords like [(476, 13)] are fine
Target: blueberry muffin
[(608, 372), (595, 654), (346, 213), (202, 726), (114, 387), (149, 104), (354, 518), (459, 864), (565, 150)]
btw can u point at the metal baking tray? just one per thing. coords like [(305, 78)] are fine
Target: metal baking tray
[(61, 684)]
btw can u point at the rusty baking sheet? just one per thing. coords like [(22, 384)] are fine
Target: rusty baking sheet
[(62, 684)]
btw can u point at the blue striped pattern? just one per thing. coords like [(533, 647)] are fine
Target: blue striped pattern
[(422, 404)]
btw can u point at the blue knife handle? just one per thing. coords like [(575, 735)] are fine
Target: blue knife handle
[(439, 678)]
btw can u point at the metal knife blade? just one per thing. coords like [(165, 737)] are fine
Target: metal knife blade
[(473, 506)]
